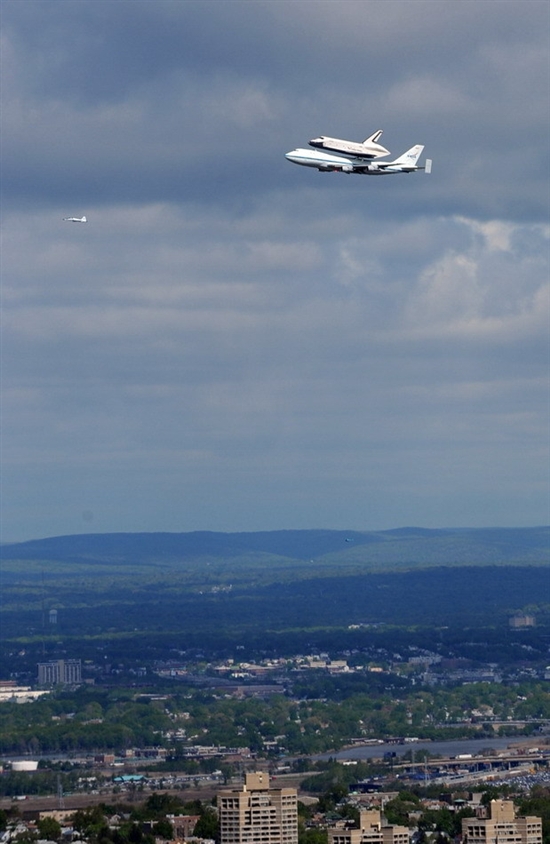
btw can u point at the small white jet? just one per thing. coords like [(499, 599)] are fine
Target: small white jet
[(369, 148), (326, 163), (76, 219)]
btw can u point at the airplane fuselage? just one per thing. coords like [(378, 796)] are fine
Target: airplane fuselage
[(320, 160), (325, 162)]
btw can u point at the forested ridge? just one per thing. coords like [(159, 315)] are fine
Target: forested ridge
[(276, 580), (136, 601), (398, 547)]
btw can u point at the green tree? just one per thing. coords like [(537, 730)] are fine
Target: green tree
[(329, 800), (135, 834), (164, 829), (49, 828), (92, 825), (160, 804), (208, 825), (350, 813), (26, 838), (538, 804), (312, 836), (397, 810)]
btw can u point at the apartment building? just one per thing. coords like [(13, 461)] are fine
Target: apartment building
[(183, 825), (258, 814), (370, 831), (60, 672), (502, 827)]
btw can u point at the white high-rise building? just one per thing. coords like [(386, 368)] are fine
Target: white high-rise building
[(370, 831), (258, 814), (502, 827), (60, 673)]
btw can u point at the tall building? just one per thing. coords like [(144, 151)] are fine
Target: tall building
[(370, 831), (502, 827), (258, 814), (59, 673), (522, 620)]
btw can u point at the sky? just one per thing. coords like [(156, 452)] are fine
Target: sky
[(236, 343)]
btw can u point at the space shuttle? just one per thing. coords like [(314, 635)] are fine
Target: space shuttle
[(369, 148)]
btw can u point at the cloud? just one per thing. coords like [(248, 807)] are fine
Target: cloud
[(207, 106), (232, 342), (490, 291)]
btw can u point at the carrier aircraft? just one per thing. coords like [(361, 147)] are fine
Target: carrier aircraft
[(327, 163)]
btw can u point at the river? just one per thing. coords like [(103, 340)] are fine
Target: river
[(439, 748)]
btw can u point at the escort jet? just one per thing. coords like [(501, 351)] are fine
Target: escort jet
[(75, 219), (370, 148), (326, 163)]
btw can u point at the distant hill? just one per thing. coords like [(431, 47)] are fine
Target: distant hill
[(402, 547), (207, 583)]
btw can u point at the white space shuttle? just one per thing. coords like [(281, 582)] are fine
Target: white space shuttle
[(369, 148), (76, 219)]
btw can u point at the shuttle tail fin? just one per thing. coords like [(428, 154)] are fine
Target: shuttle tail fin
[(374, 138)]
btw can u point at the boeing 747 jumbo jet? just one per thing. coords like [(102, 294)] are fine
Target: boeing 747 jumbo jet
[(75, 219), (369, 148), (326, 163)]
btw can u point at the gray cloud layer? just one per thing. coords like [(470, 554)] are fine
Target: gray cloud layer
[(236, 343)]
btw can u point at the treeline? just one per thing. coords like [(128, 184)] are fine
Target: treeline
[(145, 823), (333, 781), (39, 782), (499, 645), (85, 720), (314, 725), (142, 824), (434, 596), (93, 719)]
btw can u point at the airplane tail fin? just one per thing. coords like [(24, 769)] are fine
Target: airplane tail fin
[(410, 157), (374, 138), (84, 220)]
